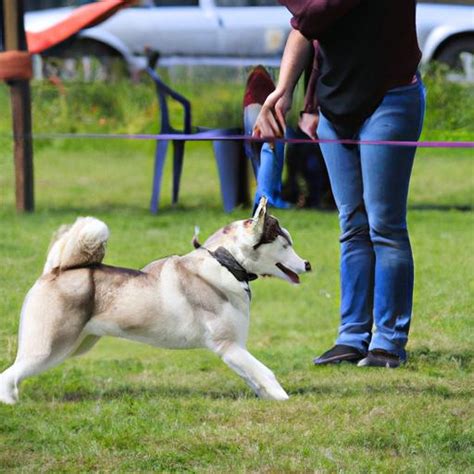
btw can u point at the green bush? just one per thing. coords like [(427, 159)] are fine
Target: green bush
[(449, 106), (216, 95)]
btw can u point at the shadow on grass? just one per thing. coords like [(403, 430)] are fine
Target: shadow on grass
[(341, 390), (136, 209), (441, 207), (425, 356), (426, 374), (378, 389), (140, 210), (102, 208), (153, 392)]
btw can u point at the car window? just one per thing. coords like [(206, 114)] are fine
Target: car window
[(35, 5), (248, 3), (176, 3)]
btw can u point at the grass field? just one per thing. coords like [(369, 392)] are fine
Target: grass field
[(126, 407)]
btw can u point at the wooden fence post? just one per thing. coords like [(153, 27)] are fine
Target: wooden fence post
[(15, 39)]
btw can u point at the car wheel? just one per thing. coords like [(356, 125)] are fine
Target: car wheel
[(458, 55)]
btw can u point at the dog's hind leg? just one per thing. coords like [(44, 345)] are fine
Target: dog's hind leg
[(49, 333), (48, 352), (259, 377), (23, 368)]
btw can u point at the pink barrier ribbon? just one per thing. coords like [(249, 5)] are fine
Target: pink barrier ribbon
[(219, 136)]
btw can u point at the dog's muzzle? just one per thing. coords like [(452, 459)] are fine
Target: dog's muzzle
[(307, 266)]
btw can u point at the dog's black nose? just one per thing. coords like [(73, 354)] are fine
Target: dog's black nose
[(307, 266)]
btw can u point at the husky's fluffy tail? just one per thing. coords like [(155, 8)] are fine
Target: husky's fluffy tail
[(81, 244)]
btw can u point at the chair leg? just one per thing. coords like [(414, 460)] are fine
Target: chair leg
[(160, 156), (178, 155), (228, 155)]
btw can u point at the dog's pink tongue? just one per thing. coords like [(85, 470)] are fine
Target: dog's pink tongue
[(293, 276)]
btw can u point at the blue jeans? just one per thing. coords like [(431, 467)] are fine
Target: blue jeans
[(370, 186), (267, 163), (269, 173)]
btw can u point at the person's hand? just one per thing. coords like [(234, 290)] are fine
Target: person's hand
[(308, 124), (271, 121)]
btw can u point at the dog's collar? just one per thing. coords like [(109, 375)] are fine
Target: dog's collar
[(227, 260)]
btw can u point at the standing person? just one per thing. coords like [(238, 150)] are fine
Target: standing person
[(368, 89)]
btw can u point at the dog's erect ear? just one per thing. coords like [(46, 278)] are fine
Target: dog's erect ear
[(195, 241), (259, 216)]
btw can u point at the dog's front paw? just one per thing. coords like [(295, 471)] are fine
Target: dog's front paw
[(7, 399), (273, 393), (8, 392)]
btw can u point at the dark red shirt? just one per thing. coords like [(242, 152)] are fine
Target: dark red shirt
[(366, 48)]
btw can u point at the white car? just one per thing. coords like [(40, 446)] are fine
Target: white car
[(237, 30)]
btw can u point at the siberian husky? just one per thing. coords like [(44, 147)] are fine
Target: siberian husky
[(201, 299)]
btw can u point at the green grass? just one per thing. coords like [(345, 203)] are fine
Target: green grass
[(128, 407)]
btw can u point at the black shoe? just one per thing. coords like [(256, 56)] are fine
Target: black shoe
[(380, 358), (339, 353)]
